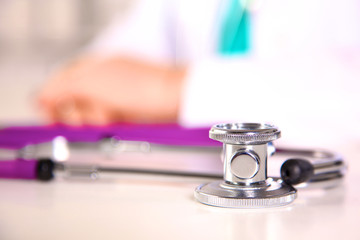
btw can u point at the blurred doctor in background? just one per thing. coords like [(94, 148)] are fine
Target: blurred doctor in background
[(292, 63)]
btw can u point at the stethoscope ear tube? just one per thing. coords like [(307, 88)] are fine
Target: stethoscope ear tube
[(309, 168), (312, 168), (45, 169), (42, 169), (295, 171)]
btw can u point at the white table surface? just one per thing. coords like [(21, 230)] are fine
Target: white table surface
[(154, 207)]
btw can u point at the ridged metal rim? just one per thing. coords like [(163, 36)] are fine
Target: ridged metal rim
[(214, 194), (245, 202), (244, 133)]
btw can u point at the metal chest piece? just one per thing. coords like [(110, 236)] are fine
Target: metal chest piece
[(245, 183)]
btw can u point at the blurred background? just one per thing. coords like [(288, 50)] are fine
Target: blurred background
[(35, 37), (302, 73)]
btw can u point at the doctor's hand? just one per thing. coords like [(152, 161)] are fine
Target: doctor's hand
[(98, 91)]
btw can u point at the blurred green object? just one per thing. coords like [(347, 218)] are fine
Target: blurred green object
[(235, 30)]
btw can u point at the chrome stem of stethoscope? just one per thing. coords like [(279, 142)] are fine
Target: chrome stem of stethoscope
[(245, 183)]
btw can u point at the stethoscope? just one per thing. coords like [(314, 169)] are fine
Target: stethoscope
[(247, 147), (245, 184)]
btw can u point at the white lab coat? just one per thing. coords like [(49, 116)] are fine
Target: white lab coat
[(302, 72)]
